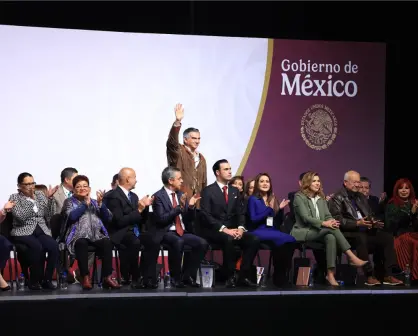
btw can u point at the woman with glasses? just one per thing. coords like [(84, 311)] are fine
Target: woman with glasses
[(31, 212), (85, 218)]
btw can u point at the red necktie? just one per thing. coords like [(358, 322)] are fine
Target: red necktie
[(179, 228), (225, 193)]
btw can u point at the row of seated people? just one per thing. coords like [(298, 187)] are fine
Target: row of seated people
[(93, 222)]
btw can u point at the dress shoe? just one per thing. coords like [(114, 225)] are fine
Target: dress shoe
[(47, 284), (190, 282), (86, 283), (230, 283), (179, 284), (137, 285), (245, 282), (35, 286), (109, 283), (125, 281), (151, 284), (5, 289)]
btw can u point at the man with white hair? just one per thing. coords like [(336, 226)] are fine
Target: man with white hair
[(185, 156), (351, 209)]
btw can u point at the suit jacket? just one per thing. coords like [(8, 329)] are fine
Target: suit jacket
[(305, 215), (125, 214), (216, 213), (257, 213), (342, 209), (59, 198), (377, 207), (194, 178), (25, 219), (165, 214)]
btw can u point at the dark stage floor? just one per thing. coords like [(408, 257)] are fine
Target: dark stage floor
[(219, 311)]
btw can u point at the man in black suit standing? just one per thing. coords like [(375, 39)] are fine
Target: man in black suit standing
[(173, 226), (129, 214), (223, 222)]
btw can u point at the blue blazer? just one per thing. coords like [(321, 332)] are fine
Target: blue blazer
[(257, 213), (164, 214)]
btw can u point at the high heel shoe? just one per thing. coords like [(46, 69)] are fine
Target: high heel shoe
[(359, 265), (329, 283), (5, 289)]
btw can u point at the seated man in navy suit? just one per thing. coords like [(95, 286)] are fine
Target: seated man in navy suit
[(173, 226)]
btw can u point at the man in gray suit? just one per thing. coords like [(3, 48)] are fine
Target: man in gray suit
[(65, 190)]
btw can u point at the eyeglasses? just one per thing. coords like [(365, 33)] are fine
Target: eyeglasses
[(28, 184), (81, 187)]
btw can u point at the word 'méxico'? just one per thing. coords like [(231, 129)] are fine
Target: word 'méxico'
[(307, 86)]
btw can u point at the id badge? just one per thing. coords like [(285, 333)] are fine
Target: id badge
[(269, 221)]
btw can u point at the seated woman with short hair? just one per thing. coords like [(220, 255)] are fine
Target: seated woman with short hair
[(84, 217), (315, 223)]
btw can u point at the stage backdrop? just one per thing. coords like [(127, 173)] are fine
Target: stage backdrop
[(98, 101)]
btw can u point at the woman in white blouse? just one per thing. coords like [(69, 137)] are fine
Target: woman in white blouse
[(315, 223)]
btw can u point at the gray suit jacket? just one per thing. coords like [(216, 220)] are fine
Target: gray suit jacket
[(305, 215), (59, 198)]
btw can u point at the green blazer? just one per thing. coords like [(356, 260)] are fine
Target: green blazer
[(305, 216)]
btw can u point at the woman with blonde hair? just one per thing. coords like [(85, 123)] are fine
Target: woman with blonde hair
[(315, 223)]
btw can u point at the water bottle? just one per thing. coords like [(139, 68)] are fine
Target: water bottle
[(263, 280), (311, 278), (407, 273), (64, 281), (206, 280), (21, 282), (167, 280)]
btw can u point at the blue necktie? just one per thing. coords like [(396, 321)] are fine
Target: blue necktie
[(136, 229)]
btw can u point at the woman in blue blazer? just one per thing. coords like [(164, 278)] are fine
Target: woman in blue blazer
[(264, 217)]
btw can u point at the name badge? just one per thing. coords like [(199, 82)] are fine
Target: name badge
[(269, 221), (359, 216)]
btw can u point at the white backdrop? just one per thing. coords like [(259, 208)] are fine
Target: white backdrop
[(99, 101)]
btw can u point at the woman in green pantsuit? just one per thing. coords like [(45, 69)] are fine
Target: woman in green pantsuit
[(315, 223)]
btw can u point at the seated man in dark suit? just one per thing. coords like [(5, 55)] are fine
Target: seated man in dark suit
[(377, 204), (173, 226), (223, 222), (129, 213)]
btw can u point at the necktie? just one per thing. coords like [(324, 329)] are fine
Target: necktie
[(136, 229), (225, 194), (179, 228)]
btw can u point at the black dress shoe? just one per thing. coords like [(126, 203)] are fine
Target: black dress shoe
[(189, 281), (5, 289), (152, 284), (35, 286), (245, 282), (230, 283), (48, 285), (179, 284), (125, 282), (137, 285)]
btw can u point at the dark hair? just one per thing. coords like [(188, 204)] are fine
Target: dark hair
[(67, 173), (256, 191), (42, 187), (168, 173), (80, 178), (115, 178), (366, 179), (22, 176), (247, 185), (189, 130), (236, 178), (302, 175), (217, 165)]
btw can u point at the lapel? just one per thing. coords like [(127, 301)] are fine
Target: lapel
[(61, 194), (231, 197), (166, 200), (218, 193), (363, 209), (123, 196), (311, 207)]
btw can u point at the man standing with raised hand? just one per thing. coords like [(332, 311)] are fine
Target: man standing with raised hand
[(185, 157)]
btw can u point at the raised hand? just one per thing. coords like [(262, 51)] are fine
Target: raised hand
[(145, 202), (194, 199), (179, 112), (51, 191), (382, 197), (284, 203), (9, 206), (99, 196)]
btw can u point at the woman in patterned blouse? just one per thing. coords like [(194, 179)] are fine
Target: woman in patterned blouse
[(31, 213), (401, 219), (85, 217)]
